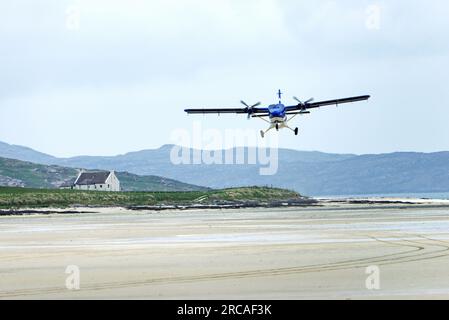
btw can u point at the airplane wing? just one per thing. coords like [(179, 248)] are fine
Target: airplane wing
[(226, 110), (335, 102)]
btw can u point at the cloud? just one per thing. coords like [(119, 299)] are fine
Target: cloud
[(130, 61)]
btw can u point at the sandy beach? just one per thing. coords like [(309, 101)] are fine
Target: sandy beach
[(285, 253)]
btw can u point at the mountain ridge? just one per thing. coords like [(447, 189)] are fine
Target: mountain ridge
[(307, 172)]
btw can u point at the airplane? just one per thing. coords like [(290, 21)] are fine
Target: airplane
[(278, 114)]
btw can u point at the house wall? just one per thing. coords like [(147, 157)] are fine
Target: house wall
[(94, 187), (113, 182)]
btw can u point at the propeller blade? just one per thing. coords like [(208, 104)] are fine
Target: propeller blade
[(303, 103), (249, 109), (308, 101), (244, 103), (299, 101)]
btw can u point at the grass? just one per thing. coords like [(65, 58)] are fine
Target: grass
[(31, 175), (11, 198)]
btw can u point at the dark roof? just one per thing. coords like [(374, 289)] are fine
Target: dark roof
[(89, 178), (68, 184)]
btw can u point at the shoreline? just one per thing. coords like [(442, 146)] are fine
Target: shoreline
[(386, 203)]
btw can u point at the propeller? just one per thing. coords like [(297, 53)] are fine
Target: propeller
[(249, 109), (303, 104)]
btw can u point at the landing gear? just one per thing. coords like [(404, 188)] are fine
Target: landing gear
[(277, 126), (296, 131), (262, 133)]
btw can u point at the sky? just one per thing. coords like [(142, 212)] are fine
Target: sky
[(106, 77)]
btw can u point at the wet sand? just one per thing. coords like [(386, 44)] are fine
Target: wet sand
[(285, 253)]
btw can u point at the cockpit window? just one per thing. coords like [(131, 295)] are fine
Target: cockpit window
[(275, 106)]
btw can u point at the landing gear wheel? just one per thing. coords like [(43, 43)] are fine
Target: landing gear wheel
[(277, 126), (296, 131), (262, 133)]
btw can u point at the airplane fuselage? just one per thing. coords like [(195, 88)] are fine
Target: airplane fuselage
[(277, 113)]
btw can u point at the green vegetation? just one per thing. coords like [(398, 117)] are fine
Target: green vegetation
[(12, 198), (132, 182), (15, 173), (27, 174)]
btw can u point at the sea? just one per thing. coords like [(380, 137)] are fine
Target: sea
[(432, 195)]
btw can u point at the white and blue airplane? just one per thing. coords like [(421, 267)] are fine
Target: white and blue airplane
[(278, 114)]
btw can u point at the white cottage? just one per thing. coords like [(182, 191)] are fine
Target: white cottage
[(97, 181)]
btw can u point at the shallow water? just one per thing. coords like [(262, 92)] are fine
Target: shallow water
[(430, 195)]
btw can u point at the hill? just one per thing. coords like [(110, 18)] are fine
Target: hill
[(16, 173), (25, 154), (310, 173)]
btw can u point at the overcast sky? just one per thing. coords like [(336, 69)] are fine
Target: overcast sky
[(104, 77)]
